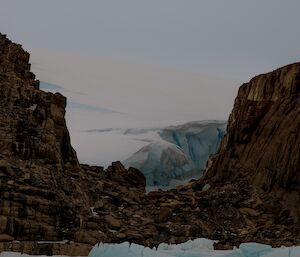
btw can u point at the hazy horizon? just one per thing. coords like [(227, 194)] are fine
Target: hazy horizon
[(105, 93)]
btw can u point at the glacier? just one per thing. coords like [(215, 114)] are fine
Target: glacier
[(160, 162), (198, 139), (179, 153), (193, 248)]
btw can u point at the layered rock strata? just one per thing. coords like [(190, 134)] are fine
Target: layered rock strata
[(45, 194), (263, 132)]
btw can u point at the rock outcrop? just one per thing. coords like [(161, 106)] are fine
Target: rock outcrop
[(262, 146), (45, 194), (51, 204), (263, 132)]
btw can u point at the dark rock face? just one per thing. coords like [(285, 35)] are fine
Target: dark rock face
[(51, 204), (262, 146), (263, 140), (37, 128), (45, 194)]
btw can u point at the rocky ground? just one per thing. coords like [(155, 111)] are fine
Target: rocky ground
[(51, 204)]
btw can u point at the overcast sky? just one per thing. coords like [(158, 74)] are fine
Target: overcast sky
[(148, 63), (230, 38)]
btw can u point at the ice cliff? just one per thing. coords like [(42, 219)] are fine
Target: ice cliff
[(181, 152)]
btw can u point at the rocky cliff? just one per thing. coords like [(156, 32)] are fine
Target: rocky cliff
[(263, 132), (262, 146), (45, 194), (263, 143), (51, 204)]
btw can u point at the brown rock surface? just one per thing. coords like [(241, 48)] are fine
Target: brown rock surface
[(263, 132), (45, 194)]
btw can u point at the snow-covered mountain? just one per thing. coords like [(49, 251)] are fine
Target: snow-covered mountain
[(180, 152)]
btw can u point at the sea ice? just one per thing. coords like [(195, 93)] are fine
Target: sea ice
[(192, 248)]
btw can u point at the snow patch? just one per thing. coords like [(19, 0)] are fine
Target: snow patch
[(95, 214), (33, 107)]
